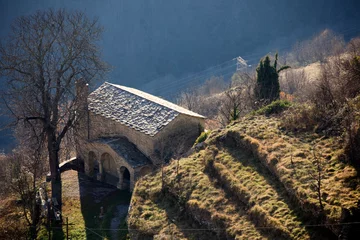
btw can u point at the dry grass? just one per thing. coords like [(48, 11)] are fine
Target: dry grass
[(206, 204), (294, 156), (266, 199), (232, 193)]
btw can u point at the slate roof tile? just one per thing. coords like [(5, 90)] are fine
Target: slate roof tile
[(134, 108)]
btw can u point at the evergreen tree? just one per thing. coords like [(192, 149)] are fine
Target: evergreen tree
[(268, 87)]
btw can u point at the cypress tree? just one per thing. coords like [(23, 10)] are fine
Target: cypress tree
[(268, 86)]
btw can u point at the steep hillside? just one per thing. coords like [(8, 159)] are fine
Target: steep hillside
[(252, 181)]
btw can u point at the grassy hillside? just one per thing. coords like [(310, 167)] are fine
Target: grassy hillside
[(252, 181)]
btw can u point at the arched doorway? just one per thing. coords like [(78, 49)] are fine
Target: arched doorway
[(109, 171), (93, 164), (124, 178)]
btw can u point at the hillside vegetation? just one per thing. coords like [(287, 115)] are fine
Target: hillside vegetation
[(253, 180)]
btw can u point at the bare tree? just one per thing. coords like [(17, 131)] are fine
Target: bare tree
[(43, 56), (293, 81), (212, 86), (232, 105), (25, 170), (338, 82), (239, 99), (26, 175), (215, 99), (353, 46), (4, 176), (319, 48), (189, 99), (196, 98)]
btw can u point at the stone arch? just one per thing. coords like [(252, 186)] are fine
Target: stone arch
[(124, 178), (109, 169), (93, 164)]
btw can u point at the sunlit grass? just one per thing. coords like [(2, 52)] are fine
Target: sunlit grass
[(295, 159), (252, 180)]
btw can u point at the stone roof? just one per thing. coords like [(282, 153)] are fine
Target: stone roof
[(127, 150), (134, 108)]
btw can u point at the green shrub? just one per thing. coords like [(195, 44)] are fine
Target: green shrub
[(275, 107), (203, 136)]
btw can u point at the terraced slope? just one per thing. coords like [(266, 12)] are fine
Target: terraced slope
[(252, 181), (292, 160)]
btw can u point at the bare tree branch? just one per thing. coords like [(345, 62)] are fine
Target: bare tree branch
[(41, 60)]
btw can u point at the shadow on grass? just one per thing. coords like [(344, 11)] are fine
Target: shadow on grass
[(184, 224), (95, 195)]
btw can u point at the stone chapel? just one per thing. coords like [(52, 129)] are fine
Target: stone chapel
[(128, 133)]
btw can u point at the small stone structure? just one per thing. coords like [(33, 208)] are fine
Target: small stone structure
[(127, 133)]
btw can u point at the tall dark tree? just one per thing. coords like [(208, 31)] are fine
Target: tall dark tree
[(40, 62), (268, 86)]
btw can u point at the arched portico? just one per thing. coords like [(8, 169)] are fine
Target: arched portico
[(124, 178), (117, 164), (109, 169), (93, 168)]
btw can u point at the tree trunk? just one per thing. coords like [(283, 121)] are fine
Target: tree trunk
[(35, 213), (53, 151)]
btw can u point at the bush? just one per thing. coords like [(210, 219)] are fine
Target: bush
[(275, 107), (299, 118), (351, 123), (336, 86), (203, 136), (352, 145)]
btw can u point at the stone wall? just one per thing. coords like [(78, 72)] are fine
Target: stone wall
[(177, 137), (103, 127)]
